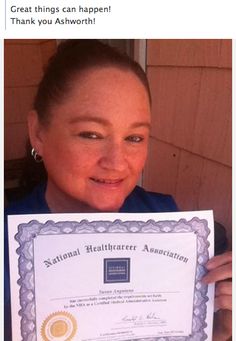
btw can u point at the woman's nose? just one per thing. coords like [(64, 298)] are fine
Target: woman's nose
[(114, 157)]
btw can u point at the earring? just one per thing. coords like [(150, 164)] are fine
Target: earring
[(36, 156)]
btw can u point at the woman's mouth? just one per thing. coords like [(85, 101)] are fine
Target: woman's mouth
[(107, 181)]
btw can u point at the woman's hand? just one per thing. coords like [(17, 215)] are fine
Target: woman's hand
[(220, 272)]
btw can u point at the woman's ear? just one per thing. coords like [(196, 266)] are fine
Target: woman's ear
[(35, 132)]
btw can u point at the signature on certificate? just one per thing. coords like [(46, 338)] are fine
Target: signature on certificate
[(151, 317)]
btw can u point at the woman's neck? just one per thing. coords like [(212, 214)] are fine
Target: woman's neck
[(60, 202)]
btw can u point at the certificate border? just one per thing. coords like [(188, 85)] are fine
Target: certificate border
[(27, 232)]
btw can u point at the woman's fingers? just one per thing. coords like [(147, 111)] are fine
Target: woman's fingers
[(223, 293), (219, 267), (223, 288), (223, 302), (219, 273), (219, 260)]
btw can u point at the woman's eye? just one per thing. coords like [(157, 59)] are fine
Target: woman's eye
[(135, 138), (90, 135)]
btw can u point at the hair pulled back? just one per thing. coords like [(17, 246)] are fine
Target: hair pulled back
[(71, 59)]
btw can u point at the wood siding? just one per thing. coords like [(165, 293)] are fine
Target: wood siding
[(24, 63), (190, 149)]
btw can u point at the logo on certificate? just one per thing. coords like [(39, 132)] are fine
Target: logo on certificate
[(59, 326), (116, 270)]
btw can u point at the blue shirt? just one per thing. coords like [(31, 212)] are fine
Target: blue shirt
[(138, 201)]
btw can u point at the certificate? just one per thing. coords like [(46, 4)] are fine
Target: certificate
[(105, 277)]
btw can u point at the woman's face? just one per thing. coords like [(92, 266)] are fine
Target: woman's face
[(95, 145)]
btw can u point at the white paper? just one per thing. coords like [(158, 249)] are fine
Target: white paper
[(153, 264)]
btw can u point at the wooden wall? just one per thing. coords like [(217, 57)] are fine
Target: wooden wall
[(190, 147), (24, 63)]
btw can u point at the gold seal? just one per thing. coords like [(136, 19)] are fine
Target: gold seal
[(59, 326)]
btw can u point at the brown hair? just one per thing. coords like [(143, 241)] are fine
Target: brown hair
[(72, 58)]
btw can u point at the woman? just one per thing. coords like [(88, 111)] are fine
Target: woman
[(90, 126)]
